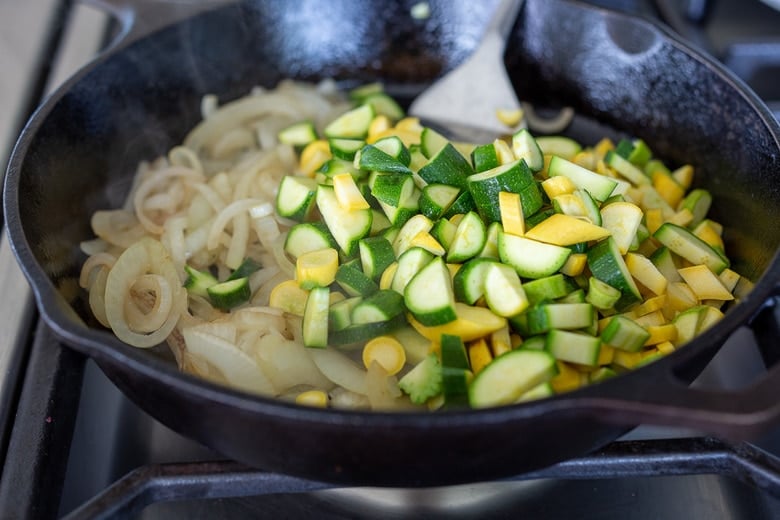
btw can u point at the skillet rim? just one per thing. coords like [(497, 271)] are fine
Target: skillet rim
[(104, 347)]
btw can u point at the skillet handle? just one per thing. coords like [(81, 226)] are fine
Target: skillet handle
[(138, 18), (661, 398)]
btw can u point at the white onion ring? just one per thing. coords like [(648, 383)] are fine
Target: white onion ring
[(144, 257), (139, 319)]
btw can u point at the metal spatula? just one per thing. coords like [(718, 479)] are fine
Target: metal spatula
[(465, 101)]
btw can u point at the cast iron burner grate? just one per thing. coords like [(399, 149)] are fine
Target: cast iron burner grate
[(222, 479)]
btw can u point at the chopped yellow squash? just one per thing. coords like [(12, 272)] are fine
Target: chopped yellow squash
[(563, 230), (347, 192), (317, 268), (289, 297), (646, 273), (558, 185), (511, 213), (471, 323), (426, 241), (479, 355), (704, 283), (387, 351)]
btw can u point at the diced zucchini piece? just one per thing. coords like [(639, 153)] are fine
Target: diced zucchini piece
[(607, 264), (315, 318), (409, 264), (395, 148), (599, 186), (429, 296), (431, 142), (453, 352), (574, 347), (627, 170), (530, 258), (392, 188), (306, 237), (245, 269), (469, 282), (295, 198), (298, 134), (684, 243), (346, 226), (525, 147), (625, 334), (484, 158), (198, 282), (362, 332), (560, 146), (546, 288), (601, 295), (698, 202), (504, 293), (448, 166), (340, 313), (514, 177), (383, 305), (376, 253), (455, 385), (384, 105), (373, 158), (436, 199), (491, 242), (352, 124), (345, 149), (509, 376), (469, 239), (462, 204), (354, 281)]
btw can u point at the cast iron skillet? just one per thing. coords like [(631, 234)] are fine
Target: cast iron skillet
[(77, 153)]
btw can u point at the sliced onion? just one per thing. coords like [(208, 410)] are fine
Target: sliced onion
[(225, 216), (261, 277), (157, 289), (237, 113), (117, 227), (146, 188), (260, 319), (233, 141), (239, 369), (288, 364), (183, 156), (144, 257), (97, 296), (284, 263), (267, 230), (100, 260), (173, 237), (93, 247), (340, 369)]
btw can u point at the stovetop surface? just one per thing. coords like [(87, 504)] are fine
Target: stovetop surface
[(112, 437)]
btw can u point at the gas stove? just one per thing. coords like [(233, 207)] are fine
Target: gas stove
[(73, 446)]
